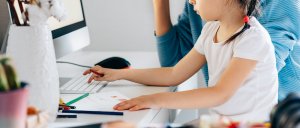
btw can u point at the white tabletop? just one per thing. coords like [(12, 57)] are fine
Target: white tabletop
[(129, 89)]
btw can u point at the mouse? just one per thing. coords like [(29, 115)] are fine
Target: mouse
[(114, 63)]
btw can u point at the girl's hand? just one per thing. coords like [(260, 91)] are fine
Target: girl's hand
[(103, 74), (139, 103)]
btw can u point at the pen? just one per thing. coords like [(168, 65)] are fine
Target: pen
[(93, 112), (66, 116)]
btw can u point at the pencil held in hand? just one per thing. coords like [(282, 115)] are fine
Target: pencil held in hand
[(95, 75), (94, 72), (89, 71), (102, 74)]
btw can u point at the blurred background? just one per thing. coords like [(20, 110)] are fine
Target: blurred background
[(124, 25)]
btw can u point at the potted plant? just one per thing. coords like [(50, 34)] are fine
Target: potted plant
[(13, 96)]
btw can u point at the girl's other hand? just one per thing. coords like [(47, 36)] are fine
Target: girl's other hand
[(103, 74), (139, 103)]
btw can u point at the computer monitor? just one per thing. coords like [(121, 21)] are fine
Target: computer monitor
[(4, 25), (72, 33)]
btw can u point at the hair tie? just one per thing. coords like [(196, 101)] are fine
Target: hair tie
[(246, 19)]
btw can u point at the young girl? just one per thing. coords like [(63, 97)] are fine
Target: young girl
[(241, 62)]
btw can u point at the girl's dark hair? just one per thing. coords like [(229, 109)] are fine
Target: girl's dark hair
[(251, 8)]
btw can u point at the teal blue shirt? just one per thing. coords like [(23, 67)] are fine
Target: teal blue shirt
[(280, 17)]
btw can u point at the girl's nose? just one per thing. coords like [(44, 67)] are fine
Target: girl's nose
[(193, 2)]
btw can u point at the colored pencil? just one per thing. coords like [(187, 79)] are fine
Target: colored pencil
[(66, 116), (77, 99), (93, 112)]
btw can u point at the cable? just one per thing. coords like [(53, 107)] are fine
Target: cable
[(64, 62)]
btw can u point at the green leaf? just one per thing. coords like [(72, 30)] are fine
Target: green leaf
[(11, 76), (3, 81)]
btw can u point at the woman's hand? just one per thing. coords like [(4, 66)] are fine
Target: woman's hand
[(103, 74), (139, 103)]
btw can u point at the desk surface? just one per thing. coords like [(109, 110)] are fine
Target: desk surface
[(129, 89), (89, 58)]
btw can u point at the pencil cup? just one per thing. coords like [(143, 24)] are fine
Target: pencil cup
[(13, 107), (31, 48)]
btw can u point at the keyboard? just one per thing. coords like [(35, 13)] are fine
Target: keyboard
[(79, 85)]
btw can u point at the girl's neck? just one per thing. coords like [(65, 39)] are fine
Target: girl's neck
[(229, 24)]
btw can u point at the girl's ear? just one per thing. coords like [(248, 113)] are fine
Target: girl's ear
[(231, 3)]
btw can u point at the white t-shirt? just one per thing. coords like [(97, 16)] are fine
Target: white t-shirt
[(259, 93)]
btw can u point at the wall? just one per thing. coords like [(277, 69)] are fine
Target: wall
[(123, 25)]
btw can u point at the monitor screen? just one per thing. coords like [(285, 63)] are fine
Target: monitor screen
[(70, 34), (75, 19)]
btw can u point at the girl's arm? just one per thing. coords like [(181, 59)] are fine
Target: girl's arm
[(171, 76), (232, 78)]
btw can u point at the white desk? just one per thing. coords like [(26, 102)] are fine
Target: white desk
[(129, 89)]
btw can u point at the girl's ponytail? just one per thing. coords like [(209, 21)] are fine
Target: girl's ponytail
[(251, 9)]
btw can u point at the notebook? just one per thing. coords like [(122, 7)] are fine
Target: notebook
[(104, 101)]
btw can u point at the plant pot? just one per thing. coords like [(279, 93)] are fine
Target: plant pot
[(31, 48), (13, 108)]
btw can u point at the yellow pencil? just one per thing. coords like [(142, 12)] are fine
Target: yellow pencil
[(61, 102)]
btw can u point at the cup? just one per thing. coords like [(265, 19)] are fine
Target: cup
[(13, 108)]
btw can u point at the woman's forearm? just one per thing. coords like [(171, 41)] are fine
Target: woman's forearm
[(162, 16), (155, 76)]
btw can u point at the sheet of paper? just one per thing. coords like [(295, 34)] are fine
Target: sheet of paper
[(103, 101)]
